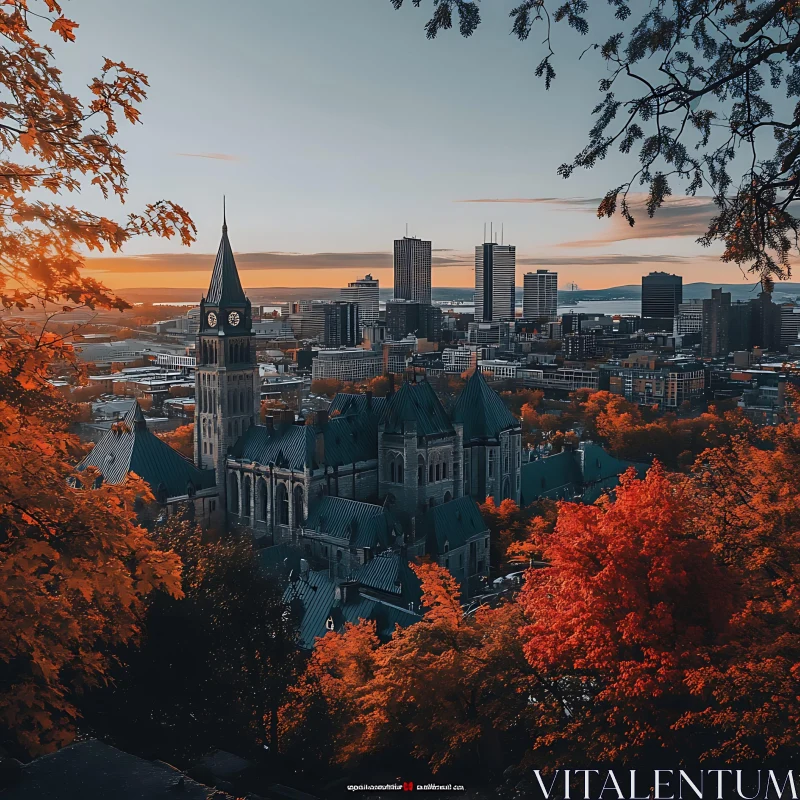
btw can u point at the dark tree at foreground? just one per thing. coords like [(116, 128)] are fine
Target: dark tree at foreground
[(212, 667), (704, 90)]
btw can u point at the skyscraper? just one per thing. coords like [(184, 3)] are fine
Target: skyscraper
[(365, 292), (540, 295), (495, 269), (662, 293), (412, 269), (716, 323)]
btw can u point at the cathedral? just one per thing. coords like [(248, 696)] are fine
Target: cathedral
[(370, 476)]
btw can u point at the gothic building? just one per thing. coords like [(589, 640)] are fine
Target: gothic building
[(370, 477)]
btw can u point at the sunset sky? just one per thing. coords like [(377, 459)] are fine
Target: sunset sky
[(330, 124)]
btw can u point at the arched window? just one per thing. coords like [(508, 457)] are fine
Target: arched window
[(241, 401), (430, 473), (400, 469), (420, 471), (297, 510), (233, 493), (447, 497), (247, 488), (491, 463), (261, 500), (282, 504), (438, 472), (391, 471), (506, 489), (444, 470)]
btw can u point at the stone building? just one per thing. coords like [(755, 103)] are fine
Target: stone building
[(492, 443), (369, 477)]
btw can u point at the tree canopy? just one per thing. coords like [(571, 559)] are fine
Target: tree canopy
[(698, 92)]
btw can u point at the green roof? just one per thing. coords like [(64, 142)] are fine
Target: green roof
[(362, 525), (482, 411), (557, 477), (133, 448), (417, 403), (390, 573), (313, 602), (453, 524), (348, 439), (587, 472), (225, 287)]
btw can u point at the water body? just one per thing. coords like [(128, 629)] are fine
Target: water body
[(594, 307)]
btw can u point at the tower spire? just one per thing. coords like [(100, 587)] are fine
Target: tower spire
[(224, 216)]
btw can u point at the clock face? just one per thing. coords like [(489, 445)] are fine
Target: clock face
[(234, 318), (212, 320)]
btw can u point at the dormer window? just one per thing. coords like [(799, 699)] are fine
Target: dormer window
[(446, 546)]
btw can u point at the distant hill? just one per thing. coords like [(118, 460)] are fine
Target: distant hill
[(265, 295)]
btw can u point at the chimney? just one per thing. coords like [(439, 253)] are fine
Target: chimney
[(321, 418), (269, 422), (369, 401), (391, 385), (348, 592), (319, 447)]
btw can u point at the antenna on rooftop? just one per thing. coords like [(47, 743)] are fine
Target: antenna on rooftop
[(484, 231), (406, 230), (502, 233), (491, 235)]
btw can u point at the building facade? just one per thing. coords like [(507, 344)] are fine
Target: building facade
[(662, 294), (716, 324), (412, 270), (365, 292), (495, 270), (540, 295), (346, 364)]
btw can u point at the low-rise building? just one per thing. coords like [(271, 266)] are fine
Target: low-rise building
[(347, 364)]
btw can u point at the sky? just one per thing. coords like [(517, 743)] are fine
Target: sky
[(331, 124)]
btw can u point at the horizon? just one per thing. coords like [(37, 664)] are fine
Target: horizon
[(316, 168)]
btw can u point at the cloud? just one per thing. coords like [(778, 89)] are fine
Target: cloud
[(556, 201), (215, 156), (612, 260), (679, 216), (193, 262)]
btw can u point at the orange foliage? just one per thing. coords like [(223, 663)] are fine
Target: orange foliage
[(630, 608), (453, 683), (327, 386), (74, 565), (74, 569), (181, 439)]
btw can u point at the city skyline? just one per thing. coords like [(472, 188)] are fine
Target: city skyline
[(318, 178)]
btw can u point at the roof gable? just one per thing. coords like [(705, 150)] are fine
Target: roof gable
[(225, 288), (133, 448), (482, 411), (417, 403), (452, 525)]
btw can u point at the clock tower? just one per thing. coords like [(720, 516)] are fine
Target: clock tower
[(227, 388)]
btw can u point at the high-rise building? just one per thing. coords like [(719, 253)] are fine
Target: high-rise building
[(790, 325), (662, 293), (365, 292), (740, 328), (540, 295), (689, 318), (412, 269), (765, 322), (716, 324), (404, 317), (336, 323), (495, 269)]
